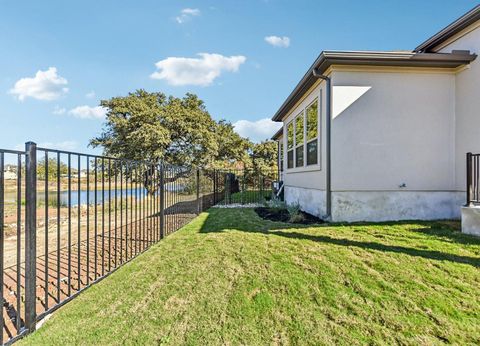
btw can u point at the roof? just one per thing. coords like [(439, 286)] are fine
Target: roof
[(370, 58), (461, 23), (278, 134)]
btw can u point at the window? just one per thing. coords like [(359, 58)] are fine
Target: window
[(312, 133), (299, 128), (290, 145), (303, 137), (280, 155)]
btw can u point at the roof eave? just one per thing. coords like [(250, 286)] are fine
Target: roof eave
[(394, 59), (461, 23), (277, 134)]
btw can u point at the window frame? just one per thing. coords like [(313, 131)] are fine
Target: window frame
[(280, 154), (296, 146), (287, 151), (312, 167), (317, 137)]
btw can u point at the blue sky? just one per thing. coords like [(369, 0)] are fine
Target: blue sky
[(92, 50)]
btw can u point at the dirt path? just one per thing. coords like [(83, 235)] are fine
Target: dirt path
[(66, 270)]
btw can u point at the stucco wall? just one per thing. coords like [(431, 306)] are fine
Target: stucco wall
[(398, 130), (388, 129), (467, 104), (353, 206), (391, 129), (310, 200)]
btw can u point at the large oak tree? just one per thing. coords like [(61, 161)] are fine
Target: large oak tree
[(151, 126)]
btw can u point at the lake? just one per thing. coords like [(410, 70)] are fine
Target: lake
[(89, 195)]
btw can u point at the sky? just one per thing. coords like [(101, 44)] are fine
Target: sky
[(243, 58)]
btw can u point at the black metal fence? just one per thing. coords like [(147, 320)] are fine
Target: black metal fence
[(473, 179), (68, 219), (239, 186)]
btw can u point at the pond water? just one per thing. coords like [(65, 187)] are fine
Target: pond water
[(89, 195)]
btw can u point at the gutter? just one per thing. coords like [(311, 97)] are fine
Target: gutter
[(369, 58), (328, 121)]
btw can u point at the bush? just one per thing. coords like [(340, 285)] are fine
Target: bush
[(297, 218), (293, 209), (296, 215)]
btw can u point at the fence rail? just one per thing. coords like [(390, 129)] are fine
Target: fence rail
[(68, 220)]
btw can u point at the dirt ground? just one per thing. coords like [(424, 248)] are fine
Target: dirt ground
[(72, 255)]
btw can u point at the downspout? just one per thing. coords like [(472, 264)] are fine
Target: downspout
[(328, 121)]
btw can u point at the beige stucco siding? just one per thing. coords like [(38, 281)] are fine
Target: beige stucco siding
[(391, 129), (467, 104)]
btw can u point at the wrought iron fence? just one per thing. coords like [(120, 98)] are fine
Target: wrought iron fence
[(67, 220), (243, 186)]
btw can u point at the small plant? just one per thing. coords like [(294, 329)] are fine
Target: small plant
[(295, 213), (275, 204), (297, 218), (293, 209)]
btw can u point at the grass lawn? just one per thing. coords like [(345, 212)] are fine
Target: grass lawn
[(231, 278), (250, 196)]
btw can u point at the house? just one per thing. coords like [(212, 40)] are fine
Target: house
[(10, 172), (377, 135)]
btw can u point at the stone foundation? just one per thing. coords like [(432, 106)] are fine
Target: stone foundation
[(351, 206), (471, 220), (311, 201)]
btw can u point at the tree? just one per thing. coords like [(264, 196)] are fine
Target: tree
[(233, 149), (264, 157), (151, 126), (52, 168)]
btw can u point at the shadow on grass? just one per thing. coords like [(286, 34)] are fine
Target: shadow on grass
[(251, 223)]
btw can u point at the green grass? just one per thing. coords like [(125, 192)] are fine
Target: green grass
[(251, 196), (231, 278)]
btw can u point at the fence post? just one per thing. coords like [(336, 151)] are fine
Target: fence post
[(162, 201), (197, 183), (30, 234), (469, 180)]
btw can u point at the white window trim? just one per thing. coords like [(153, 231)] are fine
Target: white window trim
[(305, 168), (286, 150), (281, 154), (317, 137), (295, 145)]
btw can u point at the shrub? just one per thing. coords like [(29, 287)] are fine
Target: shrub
[(293, 209), (297, 218), (296, 215)]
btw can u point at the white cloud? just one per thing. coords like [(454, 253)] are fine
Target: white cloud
[(278, 41), (87, 112), (90, 95), (196, 71), (258, 130), (46, 85), (59, 110), (186, 14)]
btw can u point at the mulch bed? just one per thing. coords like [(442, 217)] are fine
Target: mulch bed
[(282, 215)]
